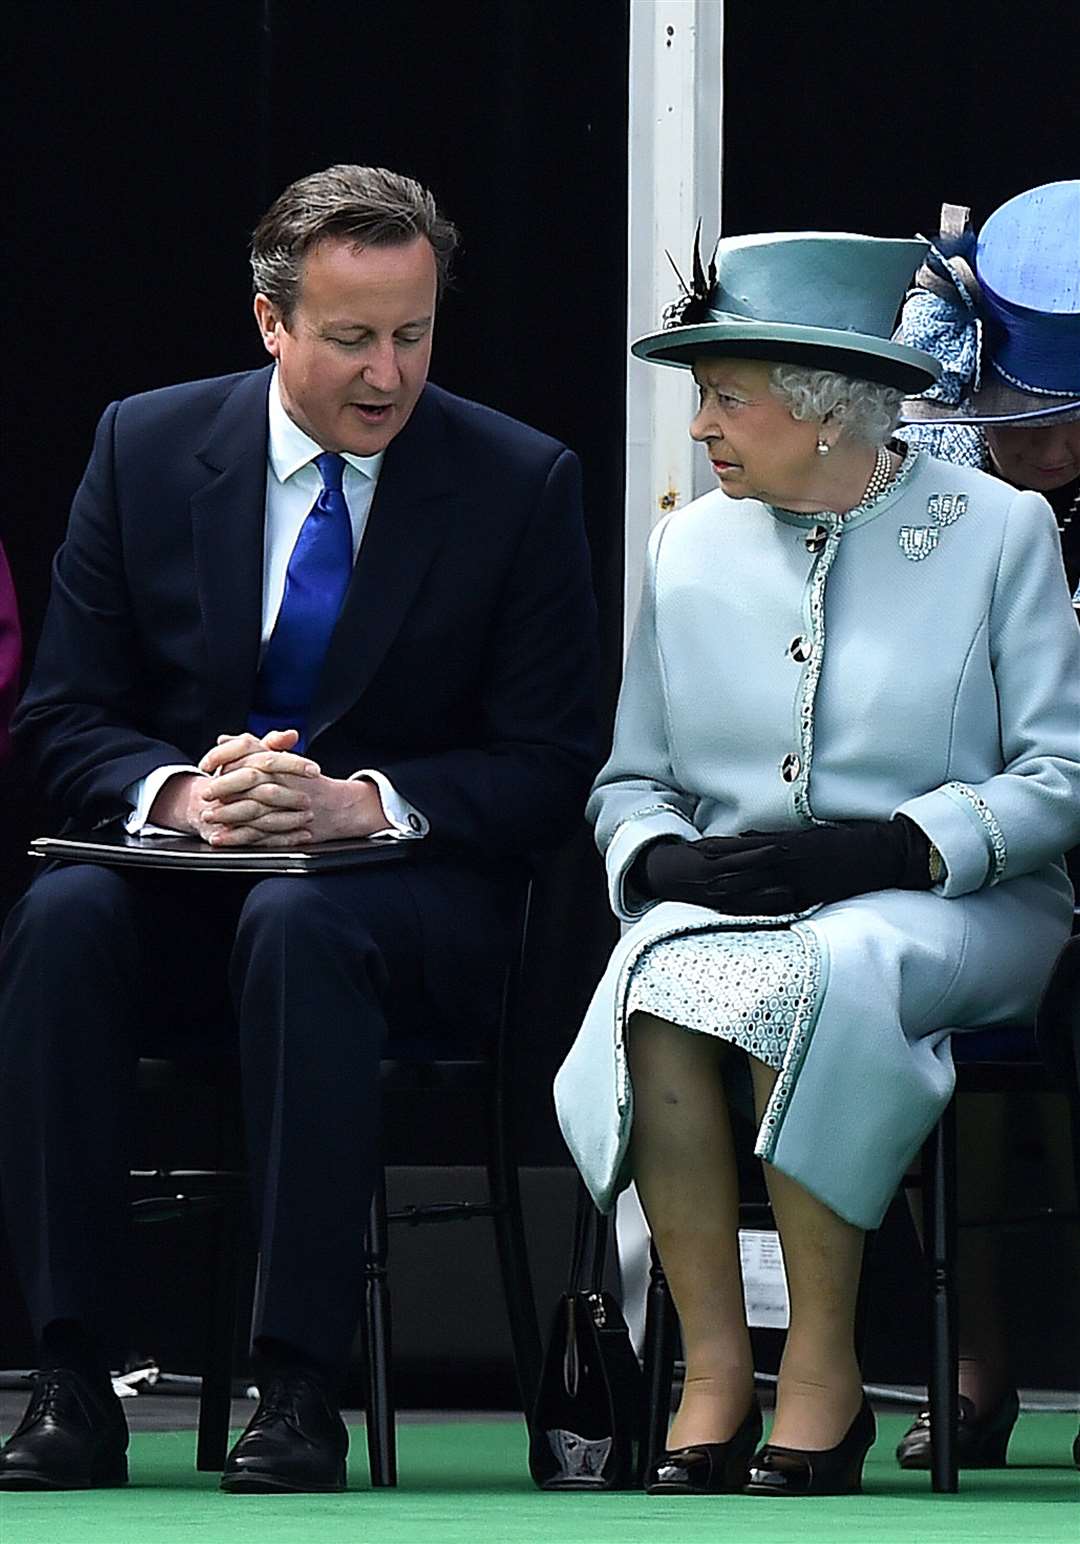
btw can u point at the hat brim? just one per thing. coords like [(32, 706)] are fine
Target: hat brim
[(995, 403), (861, 355)]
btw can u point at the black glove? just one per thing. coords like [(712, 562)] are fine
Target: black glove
[(770, 872)]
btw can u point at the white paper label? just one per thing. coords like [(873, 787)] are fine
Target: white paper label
[(764, 1281)]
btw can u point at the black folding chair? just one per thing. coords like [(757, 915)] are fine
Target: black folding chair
[(999, 1060), (176, 1194), (492, 1078)]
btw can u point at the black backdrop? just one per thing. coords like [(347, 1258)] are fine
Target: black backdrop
[(146, 140), (844, 115)]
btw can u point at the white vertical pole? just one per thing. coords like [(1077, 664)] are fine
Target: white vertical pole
[(676, 89)]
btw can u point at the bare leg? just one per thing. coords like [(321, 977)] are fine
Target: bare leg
[(820, 1387), (684, 1166)]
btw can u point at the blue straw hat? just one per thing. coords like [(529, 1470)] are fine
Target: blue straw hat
[(1001, 312), (822, 299)]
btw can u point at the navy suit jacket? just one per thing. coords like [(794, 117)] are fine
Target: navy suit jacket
[(463, 661)]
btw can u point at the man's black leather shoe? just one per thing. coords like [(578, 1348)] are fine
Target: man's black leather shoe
[(296, 1440), (72, 1437)]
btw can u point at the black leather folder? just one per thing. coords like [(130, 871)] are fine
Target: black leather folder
[(112, 845)]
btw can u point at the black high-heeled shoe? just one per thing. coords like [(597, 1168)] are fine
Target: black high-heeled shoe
[(835, 1471), (707, 1468), (981, 1442)]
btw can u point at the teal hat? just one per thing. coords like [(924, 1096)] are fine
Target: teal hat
[(823, 299)]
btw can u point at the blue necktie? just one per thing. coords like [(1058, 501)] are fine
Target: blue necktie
[(315, 583)]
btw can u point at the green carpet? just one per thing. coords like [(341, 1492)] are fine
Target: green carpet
[(466, 1484)]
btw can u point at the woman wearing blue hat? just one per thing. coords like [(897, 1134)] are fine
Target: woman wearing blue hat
[(846, 762), (1001, 314)]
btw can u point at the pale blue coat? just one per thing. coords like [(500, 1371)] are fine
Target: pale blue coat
[(943, 681)]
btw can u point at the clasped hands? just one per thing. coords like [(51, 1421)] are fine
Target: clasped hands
[(769, 873), (263, 793)]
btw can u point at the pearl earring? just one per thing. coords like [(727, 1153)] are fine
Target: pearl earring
[(823, 447)]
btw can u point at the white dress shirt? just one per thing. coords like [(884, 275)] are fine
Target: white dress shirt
[(293, 484)]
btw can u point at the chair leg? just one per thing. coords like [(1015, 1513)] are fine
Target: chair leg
[(381, 1436), (659, 1359), (939, 1199), (505, 1192), (1074, 1115), (215, 1399)]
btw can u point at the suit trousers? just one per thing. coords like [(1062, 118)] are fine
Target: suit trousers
[(304, 978)]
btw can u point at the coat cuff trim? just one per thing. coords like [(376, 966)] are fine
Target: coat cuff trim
[(994, 834), (954, 824)]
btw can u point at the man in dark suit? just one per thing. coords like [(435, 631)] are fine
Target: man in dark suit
[(320, 600)]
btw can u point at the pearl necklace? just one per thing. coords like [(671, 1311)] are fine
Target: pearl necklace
[(880, 477)]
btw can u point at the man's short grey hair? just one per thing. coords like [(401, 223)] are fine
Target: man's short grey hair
[(866, 410), (366, 206)]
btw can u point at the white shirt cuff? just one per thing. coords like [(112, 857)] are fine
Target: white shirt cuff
[(405, 823), (141, 795)]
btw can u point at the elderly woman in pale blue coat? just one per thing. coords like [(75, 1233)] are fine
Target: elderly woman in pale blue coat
[(846, 765)]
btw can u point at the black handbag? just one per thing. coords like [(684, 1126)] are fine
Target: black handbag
[(590, 1411)]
